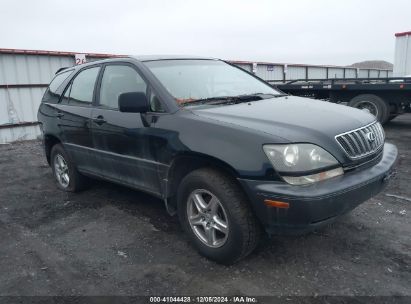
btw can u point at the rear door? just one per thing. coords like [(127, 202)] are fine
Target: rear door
[(48, 113), (74, 114), (122, 140)]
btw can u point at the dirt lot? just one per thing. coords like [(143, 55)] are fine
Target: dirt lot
[(110, 240)]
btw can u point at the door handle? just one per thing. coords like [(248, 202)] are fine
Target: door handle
[(59, 114), (99, 120)]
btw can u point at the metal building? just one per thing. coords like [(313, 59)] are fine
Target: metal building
[(402, 60), (280, 72), (25, 74)]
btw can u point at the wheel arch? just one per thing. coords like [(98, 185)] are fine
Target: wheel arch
[(49, 141), (185, 163)]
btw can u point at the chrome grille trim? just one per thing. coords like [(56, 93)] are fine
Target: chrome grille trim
[(356, 144)]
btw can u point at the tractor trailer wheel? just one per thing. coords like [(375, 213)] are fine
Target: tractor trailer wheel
[(373, 104)]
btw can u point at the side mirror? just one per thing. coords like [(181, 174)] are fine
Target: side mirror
[(133, 102)]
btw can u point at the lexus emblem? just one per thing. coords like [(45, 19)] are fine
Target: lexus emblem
[(371, 136)]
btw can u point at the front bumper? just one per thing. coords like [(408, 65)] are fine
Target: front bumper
[(318, 204)]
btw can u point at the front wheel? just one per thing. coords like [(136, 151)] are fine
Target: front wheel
[(215, 214)]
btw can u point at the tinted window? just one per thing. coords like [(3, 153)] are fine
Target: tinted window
[(119, 79), (82, 87), (58, 80), (50, 94), (155, 104), (66, 95)]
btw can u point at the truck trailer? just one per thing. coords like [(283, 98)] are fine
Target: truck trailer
[(386, 98)]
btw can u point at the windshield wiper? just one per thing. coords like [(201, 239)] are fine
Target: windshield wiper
[(246, 98), (232, 99), (207, 100)]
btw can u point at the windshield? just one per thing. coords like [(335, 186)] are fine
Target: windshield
[(191, 80)]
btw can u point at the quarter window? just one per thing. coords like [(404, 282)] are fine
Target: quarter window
[(58, 80), (155, 104), (52, 94), (119, 79), (82, 88)]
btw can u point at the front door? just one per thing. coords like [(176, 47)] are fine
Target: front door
[(121, 140)]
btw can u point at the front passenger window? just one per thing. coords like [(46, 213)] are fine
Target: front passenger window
[(119, 79)]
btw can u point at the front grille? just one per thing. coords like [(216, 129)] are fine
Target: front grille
[(363, 141)]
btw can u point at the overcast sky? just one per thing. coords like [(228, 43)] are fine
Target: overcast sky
[(311, 31)]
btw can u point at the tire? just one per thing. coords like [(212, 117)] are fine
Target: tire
[(65, 170), (374, 103), (233, 211), (391, 117)]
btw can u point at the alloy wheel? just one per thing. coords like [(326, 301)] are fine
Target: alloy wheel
[(61, 171), (207, 218)]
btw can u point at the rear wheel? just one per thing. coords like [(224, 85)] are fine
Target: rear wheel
[(65, 172), (216, 216), (373, 104)]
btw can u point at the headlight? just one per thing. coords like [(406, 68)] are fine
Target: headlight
[(300, 164)]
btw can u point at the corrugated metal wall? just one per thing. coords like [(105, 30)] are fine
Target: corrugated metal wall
[(31, 69), (18, 133), (363, 73), (317, 73), (270, 71), (335, 73), (24, 76), (23, 79), (294, 72), (245, 66), (278, 72), (350, 73), (19, 105), (402, 62)]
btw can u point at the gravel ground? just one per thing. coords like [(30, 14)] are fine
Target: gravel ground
[(110, 240)]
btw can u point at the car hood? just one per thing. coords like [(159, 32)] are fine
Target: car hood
[(293, 119)]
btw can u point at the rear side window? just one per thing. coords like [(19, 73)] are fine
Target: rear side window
[(58, 80), (119, 79), (51, 94), (81, 89)]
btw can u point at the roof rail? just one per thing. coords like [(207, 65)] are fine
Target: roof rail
[(61, 69)]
